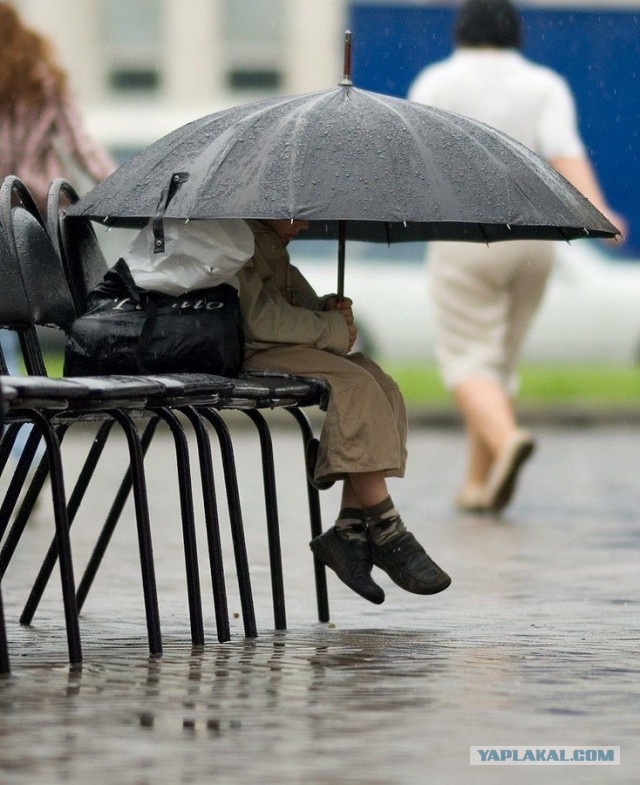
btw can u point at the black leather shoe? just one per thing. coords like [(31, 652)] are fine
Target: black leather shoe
[(407, 564), (351, 562)]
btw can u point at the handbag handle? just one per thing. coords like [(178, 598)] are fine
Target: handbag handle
[(146, 303)]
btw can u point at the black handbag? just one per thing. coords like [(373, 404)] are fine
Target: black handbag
[(129, 330)]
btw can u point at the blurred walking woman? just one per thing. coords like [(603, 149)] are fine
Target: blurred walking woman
[(484, 297), (41, 136)]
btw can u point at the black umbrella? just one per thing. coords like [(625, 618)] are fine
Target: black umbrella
[(357, 165)]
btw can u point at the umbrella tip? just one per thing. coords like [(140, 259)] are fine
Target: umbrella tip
[(346, 79)]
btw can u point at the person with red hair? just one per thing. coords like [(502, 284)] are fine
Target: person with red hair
[(41, 134)]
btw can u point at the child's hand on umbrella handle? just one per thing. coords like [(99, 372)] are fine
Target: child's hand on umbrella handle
[(335, 303), (343, 305)]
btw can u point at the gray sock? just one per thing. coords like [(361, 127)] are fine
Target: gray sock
[(383, 521), (350, 524)]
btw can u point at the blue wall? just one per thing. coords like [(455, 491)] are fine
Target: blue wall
[(598, 52)]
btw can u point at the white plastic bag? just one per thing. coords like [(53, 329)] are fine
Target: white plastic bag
[(197, 255)]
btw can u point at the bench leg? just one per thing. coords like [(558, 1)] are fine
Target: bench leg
[(75, 500), (315, 520), (5, 666), (188, 524), (144, 530), (212, 524), (235, 515), (273, 525)]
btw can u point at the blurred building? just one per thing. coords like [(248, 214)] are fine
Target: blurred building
[(143, 67)]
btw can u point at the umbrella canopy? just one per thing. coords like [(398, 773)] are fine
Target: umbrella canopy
[(356, 165), (393, 169)]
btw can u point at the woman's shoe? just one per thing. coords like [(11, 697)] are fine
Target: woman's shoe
[(504, 474), (472, 497)]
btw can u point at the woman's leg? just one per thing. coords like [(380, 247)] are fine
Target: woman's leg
[(489, 421)]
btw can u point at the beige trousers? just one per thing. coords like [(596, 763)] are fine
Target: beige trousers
[(365, 428), (484, 299)]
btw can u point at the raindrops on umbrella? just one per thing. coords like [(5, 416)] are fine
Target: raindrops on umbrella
[(356, 165)]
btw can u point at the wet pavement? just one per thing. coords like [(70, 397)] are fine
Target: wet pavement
[(536, 643)]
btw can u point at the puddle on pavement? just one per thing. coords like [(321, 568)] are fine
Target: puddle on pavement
[(316, 706), (536, 642)]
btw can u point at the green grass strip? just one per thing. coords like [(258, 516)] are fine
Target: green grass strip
[(540, 384)]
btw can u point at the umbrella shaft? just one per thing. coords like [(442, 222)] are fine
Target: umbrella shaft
[(342, 241)]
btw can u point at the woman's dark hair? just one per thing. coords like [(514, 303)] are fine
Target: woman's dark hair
[(488, 23)]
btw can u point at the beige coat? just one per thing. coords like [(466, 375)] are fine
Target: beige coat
[(278, 304), (286, 330)]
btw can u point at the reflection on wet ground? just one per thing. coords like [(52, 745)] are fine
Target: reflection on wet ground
[(536, 642)]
